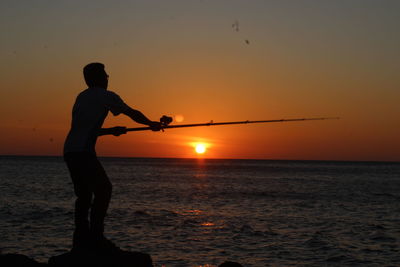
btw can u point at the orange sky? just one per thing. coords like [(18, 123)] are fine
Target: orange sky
[(184, 57)]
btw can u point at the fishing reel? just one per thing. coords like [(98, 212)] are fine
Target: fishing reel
[(165, 120)]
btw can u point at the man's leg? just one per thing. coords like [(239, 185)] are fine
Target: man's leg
[(83, 201), (78, 166), (101, 187)]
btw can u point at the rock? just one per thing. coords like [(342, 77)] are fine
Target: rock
[(120, 259), (18, 260), (230, 264)]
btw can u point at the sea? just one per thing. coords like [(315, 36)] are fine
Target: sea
[(202, 212)]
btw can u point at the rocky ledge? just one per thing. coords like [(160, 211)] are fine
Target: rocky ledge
[(122, 259)]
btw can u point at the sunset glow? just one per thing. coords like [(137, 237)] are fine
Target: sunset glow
[(184, 59), (200, 148)]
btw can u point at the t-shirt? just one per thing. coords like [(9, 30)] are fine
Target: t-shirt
[(90, 109)]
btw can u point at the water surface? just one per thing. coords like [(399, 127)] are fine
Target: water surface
[(189, 212)]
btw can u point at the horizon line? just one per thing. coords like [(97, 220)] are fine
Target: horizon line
[(194, 158)]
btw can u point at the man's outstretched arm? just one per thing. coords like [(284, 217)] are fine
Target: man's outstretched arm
[(139, 117), (135, 115)]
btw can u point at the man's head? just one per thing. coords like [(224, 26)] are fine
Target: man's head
[(95, 75)]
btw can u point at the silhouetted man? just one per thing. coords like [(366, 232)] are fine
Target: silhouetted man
[(88, 176)]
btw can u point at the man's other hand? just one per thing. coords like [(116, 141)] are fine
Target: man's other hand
[(155, 126), (118, 130)]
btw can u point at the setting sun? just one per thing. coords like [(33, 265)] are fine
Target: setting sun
[(200, 148)]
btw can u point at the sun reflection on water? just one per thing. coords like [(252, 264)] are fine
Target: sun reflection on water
[(207, 224), (193, 212)]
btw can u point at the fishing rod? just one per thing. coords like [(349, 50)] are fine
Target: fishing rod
[(165, 121)]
